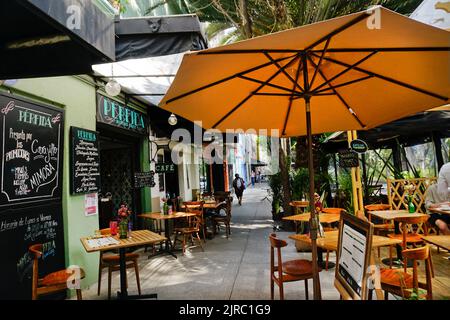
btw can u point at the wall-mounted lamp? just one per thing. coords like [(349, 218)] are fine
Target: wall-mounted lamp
[(172, 120)]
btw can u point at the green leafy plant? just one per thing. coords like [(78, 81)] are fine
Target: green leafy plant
[(345, 191), (277, 194)]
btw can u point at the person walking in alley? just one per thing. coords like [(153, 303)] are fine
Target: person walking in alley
[(253, 178), (239, 187)]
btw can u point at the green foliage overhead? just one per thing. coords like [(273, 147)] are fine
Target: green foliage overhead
[(267, 16)]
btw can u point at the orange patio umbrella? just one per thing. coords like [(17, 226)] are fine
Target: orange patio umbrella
[(354, 72)]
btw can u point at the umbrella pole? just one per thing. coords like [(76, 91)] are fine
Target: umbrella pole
[(313, 223)]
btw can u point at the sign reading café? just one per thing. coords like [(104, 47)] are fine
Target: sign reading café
[(114, 113)]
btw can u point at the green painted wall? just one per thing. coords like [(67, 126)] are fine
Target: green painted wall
[(78, 99), (77, 96)]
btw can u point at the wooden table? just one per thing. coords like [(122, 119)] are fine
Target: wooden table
[(442, 241), (299, 205), (166, 217), (330, 241), (138, 238), (323, 217), (206, 205), (395, 214)]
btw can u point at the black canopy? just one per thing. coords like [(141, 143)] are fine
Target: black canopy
[(40, 38), (412, 130), (158, 36)]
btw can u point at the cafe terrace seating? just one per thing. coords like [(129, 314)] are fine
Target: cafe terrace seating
[(194, 206), (191, 231), (288, 271), (53, 282), (224, 218), (399, 283), (111, 261), (409, 227)]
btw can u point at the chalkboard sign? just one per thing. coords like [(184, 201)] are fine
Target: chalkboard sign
[(31, 137), (348, 159), (165, 168), (85, 161), (144, 179), (20, 228)]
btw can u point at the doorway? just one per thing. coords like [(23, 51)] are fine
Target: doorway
[(119, 159)]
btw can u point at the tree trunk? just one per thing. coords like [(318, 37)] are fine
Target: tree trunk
[(245, 19), (284, 170)]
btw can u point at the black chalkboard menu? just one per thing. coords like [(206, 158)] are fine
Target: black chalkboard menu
[(144, 179), (31, 138), (85, 161), (348, 159), (20, 228)]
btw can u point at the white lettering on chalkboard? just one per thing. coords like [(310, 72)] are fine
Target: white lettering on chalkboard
[(86, 166), (46, 152), (40, 178)]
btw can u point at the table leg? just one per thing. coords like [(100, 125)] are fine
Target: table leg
[(168, 246), (123, 294), (320, 261)]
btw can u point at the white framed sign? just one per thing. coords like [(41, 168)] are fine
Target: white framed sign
[(353, 257), (90, 204)]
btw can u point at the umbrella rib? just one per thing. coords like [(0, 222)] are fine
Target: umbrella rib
[(320, 62), (345, 70), (352, 112), (297, 74), (269, 84), (384, 49), (253, 93), (318, 92), (228, 78), (284, 72), (278, 94), (395, 81), (349, 24)]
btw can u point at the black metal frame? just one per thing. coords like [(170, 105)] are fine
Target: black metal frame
[(307, 92)]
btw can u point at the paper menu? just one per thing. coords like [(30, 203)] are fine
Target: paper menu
[(101, 242), (351, 261)]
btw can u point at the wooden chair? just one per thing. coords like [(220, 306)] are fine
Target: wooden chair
[(195, 206), (288, 271), (409, 235), (223, 219), (397, 282), (222, 196), (330, 228), (53, 282), (112, 262), (192, 230), (383, 228)]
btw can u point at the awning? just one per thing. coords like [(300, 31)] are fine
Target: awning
[(40, 38), (158, 36), (149, 51), (416, 129)]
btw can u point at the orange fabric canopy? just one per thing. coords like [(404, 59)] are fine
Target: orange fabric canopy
[(372, 68)]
